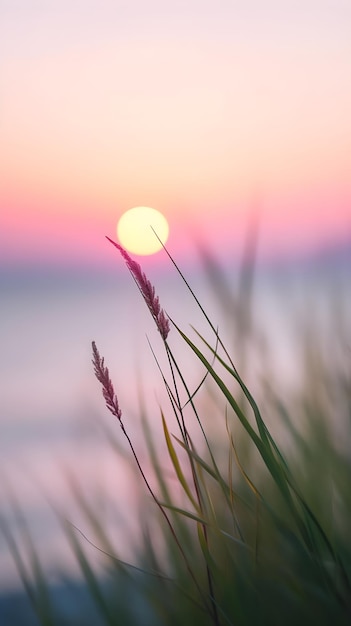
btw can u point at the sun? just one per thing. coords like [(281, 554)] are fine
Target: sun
[(136, 230)]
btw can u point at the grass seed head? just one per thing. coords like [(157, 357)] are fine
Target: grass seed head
[(103, 376), (147, 291)]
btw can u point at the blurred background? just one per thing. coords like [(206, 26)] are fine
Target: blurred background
[(233, 119)]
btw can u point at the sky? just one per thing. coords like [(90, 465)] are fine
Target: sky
[(205, 110)]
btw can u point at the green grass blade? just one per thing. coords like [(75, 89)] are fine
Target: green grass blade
[(35, 583), (91, 579), (176, 464), (215, 474)]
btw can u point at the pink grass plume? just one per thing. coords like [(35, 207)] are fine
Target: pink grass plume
[(103, 376), (147, 291)]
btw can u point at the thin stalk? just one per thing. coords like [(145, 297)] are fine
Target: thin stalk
[(219, 478), (197, 302), (173, 533), (171, 360)]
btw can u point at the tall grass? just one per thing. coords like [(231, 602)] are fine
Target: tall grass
[(237, 529)]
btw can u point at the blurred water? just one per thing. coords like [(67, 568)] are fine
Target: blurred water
[(51, 407)]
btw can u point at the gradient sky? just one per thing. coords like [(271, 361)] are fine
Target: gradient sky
[(201, 109)]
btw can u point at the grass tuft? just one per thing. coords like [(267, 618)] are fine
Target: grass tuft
[(241, 531)]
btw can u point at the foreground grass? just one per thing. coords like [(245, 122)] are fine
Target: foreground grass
[(240, 529)]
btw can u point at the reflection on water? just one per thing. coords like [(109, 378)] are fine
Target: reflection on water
[(51, 407)]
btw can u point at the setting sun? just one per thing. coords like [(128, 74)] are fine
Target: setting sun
[(142, 229)]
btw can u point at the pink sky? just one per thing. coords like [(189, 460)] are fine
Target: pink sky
[(201, 110)]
